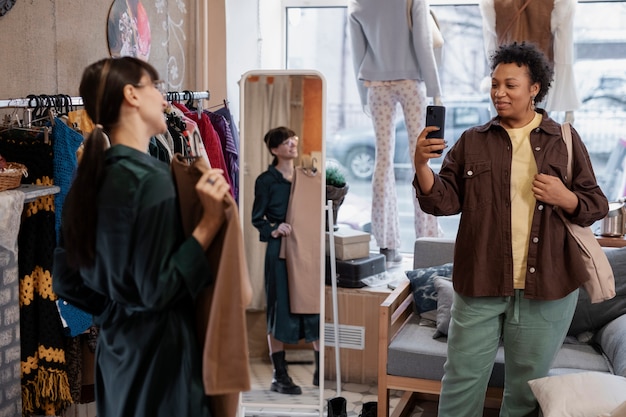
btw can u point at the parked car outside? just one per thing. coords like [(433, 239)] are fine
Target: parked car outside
[(355, 148)]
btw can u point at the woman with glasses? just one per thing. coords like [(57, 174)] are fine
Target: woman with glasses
[(271, 198), (124, 257)]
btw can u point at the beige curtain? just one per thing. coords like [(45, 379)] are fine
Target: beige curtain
[(266, 105)]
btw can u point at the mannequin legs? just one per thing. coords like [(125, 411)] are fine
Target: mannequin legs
[(383, 102)]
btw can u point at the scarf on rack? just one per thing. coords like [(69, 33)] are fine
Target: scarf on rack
[(45, 387)]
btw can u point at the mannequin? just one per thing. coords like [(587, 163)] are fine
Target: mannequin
[(505, 21), (394, 63)]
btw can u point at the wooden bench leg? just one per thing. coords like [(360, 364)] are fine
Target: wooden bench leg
[(405, 405)]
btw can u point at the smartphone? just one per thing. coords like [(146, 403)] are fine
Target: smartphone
[(436, 116)]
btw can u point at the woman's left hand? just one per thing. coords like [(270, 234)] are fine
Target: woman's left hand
[(551, 190), (212, 187)]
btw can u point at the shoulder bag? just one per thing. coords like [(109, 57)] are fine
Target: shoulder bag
[(601, 283)]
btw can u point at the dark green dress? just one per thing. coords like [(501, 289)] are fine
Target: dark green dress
[(271, 198), (141, 293)]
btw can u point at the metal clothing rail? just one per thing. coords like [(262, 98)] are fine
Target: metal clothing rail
[(31, 102)]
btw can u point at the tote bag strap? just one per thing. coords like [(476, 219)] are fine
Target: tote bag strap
[(566, 132)]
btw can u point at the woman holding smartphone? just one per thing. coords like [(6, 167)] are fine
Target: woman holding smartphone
[(514, 279)]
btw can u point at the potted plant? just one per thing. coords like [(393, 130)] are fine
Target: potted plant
[(336, 188)]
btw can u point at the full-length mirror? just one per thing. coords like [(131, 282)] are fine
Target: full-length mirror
[(282, 200)]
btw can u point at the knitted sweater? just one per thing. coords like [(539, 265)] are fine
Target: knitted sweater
[(385, 48)]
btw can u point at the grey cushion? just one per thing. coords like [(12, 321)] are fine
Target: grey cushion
[(591, 317), (612, 338), (414, 353), (423, 285), (431, 251), (445, 294), (577, 357)]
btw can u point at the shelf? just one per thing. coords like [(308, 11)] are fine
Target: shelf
[(32, 191), (611, 242)]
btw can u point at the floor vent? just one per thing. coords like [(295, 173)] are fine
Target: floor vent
[(350, 337)]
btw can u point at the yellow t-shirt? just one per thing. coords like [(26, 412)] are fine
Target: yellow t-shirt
[(523, 171)]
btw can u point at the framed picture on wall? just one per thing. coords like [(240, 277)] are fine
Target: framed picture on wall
[(128, 31)]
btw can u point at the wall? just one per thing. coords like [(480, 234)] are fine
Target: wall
[(47, 43)]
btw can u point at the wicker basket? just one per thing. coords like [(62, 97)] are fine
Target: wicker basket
[(11, 176)]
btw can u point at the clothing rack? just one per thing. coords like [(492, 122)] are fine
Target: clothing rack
[(30, 102)]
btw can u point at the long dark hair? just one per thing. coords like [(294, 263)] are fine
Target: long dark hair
[(274, 137), (102, 91)]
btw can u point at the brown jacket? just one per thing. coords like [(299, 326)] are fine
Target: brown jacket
[(220, 309), (475, 181)]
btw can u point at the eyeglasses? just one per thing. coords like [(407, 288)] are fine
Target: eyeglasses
[(287, 141), (160, 85)]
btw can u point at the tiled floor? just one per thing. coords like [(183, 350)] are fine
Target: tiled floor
[(301, 370), (302, 373)]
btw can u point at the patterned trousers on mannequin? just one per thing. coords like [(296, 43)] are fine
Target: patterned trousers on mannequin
[(383, 99)]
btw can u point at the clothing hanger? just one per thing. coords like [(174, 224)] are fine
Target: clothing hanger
[(223, 104), (308, 165)]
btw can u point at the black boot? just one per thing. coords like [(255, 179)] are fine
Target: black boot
[(316, 374), (370, 409), (281, 381), (337, 407)]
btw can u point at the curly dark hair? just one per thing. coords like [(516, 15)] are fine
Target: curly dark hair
[(528, 54)]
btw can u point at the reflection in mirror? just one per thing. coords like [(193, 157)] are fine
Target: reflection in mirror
[(282, 208)]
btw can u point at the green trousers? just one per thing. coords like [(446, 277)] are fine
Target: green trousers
[(531, 332)]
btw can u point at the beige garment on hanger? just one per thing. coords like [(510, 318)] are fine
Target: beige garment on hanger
[(220, 308), (302, 249)]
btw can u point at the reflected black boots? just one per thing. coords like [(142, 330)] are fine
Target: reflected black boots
[(316, 374), (281, 381), (337, 407), (370, 409)]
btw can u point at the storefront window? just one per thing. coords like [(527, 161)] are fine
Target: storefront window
[(317, 38)]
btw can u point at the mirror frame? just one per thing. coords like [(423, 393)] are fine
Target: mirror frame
[(306, 409)]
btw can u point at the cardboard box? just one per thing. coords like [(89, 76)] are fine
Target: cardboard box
[(350, 244)]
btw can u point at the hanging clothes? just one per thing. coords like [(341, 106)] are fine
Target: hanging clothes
[(45, 386), (302, 248), (220, 309), (232, 128), (65, 142), (229, 149), (159, 149), (210, 139), (192, 133)]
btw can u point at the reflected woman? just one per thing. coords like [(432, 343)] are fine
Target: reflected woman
[(271, 199)]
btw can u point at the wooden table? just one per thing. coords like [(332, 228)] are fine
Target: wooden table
[(612, 242), (358, 312)]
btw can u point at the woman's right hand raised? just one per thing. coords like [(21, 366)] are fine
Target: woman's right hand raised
[(428, 149), (212, 187)]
